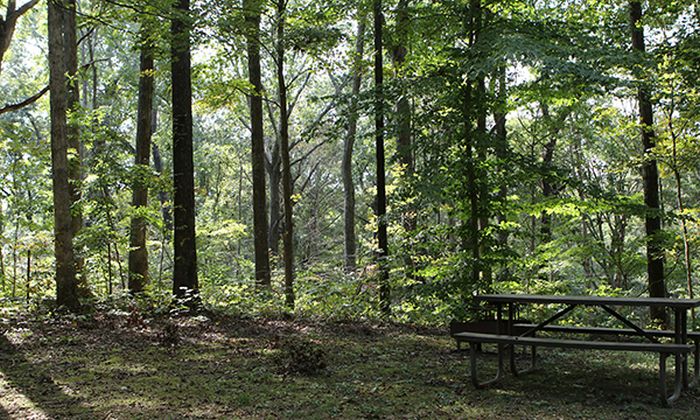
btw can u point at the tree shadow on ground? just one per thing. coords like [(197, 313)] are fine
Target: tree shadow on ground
[(35, 383)]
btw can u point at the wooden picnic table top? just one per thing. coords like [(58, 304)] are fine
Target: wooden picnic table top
[(590, 300)]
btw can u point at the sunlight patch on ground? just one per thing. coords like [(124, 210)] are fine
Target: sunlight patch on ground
[(16, 404)]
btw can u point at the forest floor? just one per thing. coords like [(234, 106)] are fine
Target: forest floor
[(117, 365)]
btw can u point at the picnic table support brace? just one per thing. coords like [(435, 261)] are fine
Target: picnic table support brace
[(629, 324), (548, 320)]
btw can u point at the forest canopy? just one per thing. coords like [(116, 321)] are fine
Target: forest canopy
[(350, 159)]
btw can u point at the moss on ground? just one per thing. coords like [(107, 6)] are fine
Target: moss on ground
[(226, 368)]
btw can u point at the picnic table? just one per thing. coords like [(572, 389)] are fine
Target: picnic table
[(510, 332)]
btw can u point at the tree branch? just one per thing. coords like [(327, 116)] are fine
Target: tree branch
[(26, 102)]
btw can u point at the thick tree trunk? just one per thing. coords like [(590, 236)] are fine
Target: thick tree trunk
[(404, 147), (350, 239), (66, 284), (138, 252), (185, 252), (655, 251), (73, 135), (382, 239), (288, 233), (403, 106), (252, 9)]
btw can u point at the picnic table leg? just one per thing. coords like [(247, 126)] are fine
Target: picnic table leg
[(474, 371), (678, 382), (696, 365), (684, 340), (513, 365)]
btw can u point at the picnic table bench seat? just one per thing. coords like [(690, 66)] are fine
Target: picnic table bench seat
[(663, 349)]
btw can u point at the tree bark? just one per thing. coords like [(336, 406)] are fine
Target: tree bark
[(185, 279), (66, 283), (382, 239), (655, 251), (547, 187), (288, 233), (687, 259), (138, 252), (162, 194), (252, 9), (350, 239), (275, 173), (501, 146), (403, 106), (73, 135)]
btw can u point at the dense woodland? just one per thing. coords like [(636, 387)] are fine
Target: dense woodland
[(348, 158)]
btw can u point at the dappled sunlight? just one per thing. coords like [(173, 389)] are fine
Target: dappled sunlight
[(16, 404)]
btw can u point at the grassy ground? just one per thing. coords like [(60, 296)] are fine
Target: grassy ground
[(120, 366)]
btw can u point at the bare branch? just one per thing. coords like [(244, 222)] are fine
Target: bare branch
[(26, 102)]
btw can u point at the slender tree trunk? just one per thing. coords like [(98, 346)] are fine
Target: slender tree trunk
[(350, 239), (185, 252), (3, 279), (547, 187), (138, 252), (684, 224), (382, 238), (501, 147), (472, 234), (162, 194), (252, 9), (655, 251), (288, 233), (275, 172), (28, 277), (472, 237), (66, 283)]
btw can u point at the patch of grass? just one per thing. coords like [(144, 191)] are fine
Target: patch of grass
[(228, 368)]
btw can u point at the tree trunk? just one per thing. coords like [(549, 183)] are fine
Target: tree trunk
[(252, 9), (501, 147), (382, 239), (684, 224), (275, 173), (75, 174), (547, 187), (162, 194), (288, 233), (472, 240), (350, 239), (138, 252), (2, 253), (185, 252), (403, 106), (655, 251), (66, 284)]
